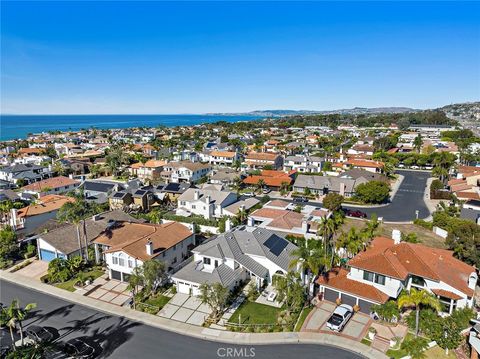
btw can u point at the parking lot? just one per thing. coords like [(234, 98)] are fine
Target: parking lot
[(356, 327)]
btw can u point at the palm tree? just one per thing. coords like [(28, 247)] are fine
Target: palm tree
[(417, 298), (370, 229), (326, 228), (260, 184), (13, 315), (134, 281), (309, 257), (351, 241), (242, 215), (73, 212), (5, 208), (237, 184)]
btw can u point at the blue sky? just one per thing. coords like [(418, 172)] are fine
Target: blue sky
[(157, 57)]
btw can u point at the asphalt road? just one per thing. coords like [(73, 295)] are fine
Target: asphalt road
[(117, 337), (407, 200)]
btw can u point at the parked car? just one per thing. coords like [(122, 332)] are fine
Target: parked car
[(266, 190), (414, 167), (355, 213), (78, 348), (39, 334), (340, 317), (249, 194), (300, 200)]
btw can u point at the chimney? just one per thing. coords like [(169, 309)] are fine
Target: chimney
[(196, 195), (242, 207), (207, 199), (228, 225), (304, 226), (342, 189), (250, 222), (397, 236), (472, 280), (149, 248)]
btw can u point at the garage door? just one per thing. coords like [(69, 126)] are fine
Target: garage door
[(364, 306), (183, 288), (330, 295), (47, 256), (348, 299), (116, 275)]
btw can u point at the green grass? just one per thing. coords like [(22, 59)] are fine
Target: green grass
[(366, 341), (255, 313), (438, 353), (396, 354), (303, 316), (153, 303), (69, 284)]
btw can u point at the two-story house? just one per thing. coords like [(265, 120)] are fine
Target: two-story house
[(258, 160), (303, 163), (235, 256), (223, 158), (148, 171), (125, 246), (24, 173), (205, 202), (185, 171), (388, 266), (53, 185)]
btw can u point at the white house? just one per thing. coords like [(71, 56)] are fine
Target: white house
[(303, 163), (388, 266), (236, 256), (204, 202), (223, 158), (128, 245), (184, 171)]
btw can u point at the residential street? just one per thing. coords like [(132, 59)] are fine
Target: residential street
[(117, 337), (407, 200)]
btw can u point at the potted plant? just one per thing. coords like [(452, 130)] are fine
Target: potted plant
[(356, 308), (371, 333), (338, 301)]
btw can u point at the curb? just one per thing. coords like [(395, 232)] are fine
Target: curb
[(212, 335)]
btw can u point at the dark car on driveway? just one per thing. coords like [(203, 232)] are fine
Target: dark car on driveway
[(39, 334), (78, 348), (300, 200), (355, 213)]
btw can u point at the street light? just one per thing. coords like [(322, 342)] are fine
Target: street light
[(416, 213)]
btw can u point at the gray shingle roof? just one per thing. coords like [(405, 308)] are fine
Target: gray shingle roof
[(223, 274)]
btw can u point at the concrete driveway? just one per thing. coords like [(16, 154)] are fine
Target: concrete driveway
[(186, 309), (111, 291), (356, 327), (36, 269)]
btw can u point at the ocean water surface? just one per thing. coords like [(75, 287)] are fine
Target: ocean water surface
[(19, 126)]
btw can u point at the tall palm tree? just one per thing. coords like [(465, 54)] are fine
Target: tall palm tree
[(351, 241), (326, 228), (135, 280), (309, 257), (370, 229), (417, 298), (13, 315), (260, 184), (73, 212)]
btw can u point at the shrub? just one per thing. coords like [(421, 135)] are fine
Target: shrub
[(30, 251), (372, 192), (59, 270), (415, 347)]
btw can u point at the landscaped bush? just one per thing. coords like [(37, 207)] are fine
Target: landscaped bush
[(192, 219), (423, 223), (30, 251)]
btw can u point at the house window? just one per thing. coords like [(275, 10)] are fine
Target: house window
[(121, 260), (380, 279), (206, 260), (368, 276), (418, 281), (193, 206), (216, 263), (130, 263), (174, 260), (114, 259)]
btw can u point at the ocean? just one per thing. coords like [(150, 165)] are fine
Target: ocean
[(19, 126)]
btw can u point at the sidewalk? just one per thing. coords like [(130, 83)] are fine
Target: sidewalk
[(195, 331)]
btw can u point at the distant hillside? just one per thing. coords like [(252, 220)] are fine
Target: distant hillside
[(467, 114), (352, 111)]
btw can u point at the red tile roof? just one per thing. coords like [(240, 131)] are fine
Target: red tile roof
[(400, 260), (337, 279), (52, 183)]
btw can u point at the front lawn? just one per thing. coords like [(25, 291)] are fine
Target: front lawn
[(153, 303), (438, 353), (303, 315), (69, 284), (255, 313)]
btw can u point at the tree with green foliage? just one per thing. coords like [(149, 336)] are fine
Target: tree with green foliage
[(215, 296), (59, 270), (308, 256), (154, 273), (416, 299), (388, 311), (135, 280), (373, 192), (8, 246), (417, 143), (290, 291), (449, 337), (14, 315), (333, 201), (415, 347), (73, 212)]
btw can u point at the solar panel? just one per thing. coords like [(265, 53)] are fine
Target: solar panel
[(276, 245), (118, 195)]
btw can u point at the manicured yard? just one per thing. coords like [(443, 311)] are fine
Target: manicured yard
[(303, 316), (68, 285), (156, 302), (438, 353), (255, 313)]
